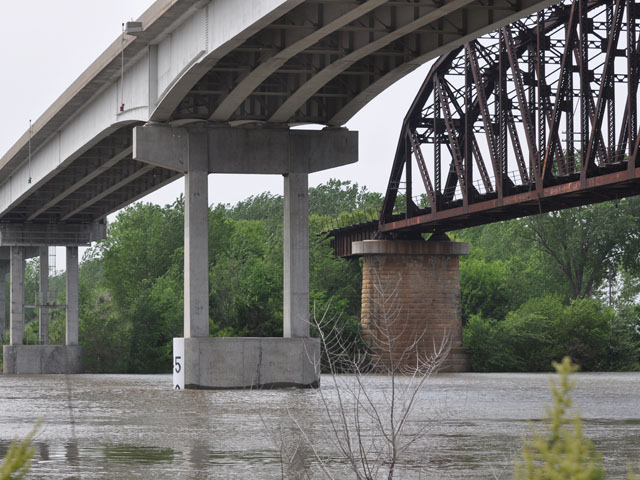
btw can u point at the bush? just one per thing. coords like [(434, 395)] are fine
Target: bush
[(561, 452), (483, 289), (17, 462), (539, 332), (486, 341)]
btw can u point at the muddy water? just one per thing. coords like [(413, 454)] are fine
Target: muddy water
[(126, 426)]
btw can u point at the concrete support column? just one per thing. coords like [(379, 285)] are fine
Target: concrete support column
[(72, 296), (44, 296), (296, 255), (196, 240), (411, 301), (17, 296), (4, 324)]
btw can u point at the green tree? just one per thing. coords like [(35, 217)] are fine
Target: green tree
[(586, 244), (484, 289)]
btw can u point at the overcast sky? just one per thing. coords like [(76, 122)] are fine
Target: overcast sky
[(45, 45)]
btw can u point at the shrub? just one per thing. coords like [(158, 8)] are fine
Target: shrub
[(17, 462), (561, 452)]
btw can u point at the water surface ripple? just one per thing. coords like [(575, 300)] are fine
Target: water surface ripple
[(136, 427)]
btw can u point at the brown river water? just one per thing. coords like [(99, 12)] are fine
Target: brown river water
[(136, 427)]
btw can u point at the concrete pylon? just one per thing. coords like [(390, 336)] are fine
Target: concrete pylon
[(43, 313), (296, 256), (196, 241), (17, 296), (4, 319), (21, 241), (71, 329)]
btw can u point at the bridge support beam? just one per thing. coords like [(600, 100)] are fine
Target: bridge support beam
[(423, 280), (203, 362)]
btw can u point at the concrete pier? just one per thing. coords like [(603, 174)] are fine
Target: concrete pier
[(72, 296), (21, 241), (17, 296), (196, 240), (203, 362), (4, 318), (296, 255), (43, 313), (42, 359), (423, 280), (227, 363)]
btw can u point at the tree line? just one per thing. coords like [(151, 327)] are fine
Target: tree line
[(533, 289)]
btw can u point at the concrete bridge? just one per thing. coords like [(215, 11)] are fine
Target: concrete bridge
[(197, 87)]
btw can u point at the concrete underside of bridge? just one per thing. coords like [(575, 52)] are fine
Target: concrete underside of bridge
[(197, 150), (411, 311)]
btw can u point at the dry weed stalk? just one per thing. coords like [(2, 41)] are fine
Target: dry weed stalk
[(372, 429)]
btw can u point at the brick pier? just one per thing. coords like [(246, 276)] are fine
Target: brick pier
[(412, 288)]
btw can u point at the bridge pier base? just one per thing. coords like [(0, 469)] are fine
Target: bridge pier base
[(41, 359), (228, 363), (413, 288)]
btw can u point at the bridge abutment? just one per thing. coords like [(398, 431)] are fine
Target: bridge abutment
[(411, 290), (202, 362)]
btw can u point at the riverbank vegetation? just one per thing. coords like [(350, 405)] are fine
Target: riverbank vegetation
[(533, 290), (563, 283)]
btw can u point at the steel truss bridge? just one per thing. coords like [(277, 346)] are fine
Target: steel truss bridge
[(537, 116)]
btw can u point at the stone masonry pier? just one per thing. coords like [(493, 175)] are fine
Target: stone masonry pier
[(412, 288)]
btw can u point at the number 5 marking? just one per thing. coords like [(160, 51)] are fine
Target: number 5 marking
[(177, 364)]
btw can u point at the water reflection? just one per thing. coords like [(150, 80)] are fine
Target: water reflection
[(130, 455), (136, 427)]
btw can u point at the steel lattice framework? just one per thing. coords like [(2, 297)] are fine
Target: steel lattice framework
[(540, 115)]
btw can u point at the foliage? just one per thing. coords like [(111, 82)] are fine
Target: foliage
[(336, 197), (561, 452), (131, 283), (484, 289), (516, 300), (586, 244), (17, 462), (541, 330)]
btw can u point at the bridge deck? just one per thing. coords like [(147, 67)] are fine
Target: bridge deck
[(264, 63)]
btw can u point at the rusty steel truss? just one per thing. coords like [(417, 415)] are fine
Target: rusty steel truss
[(540, 115)]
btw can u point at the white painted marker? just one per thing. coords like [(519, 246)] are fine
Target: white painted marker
[(178, 363)]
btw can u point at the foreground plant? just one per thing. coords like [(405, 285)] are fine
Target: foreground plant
[(17, 462), (561, 452)]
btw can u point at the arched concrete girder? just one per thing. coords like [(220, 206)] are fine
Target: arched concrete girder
[(85, 179), (385, 81), (475, 27), (169, 100), (21, 191), (254, 79), (318, 81), (281, 75)]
